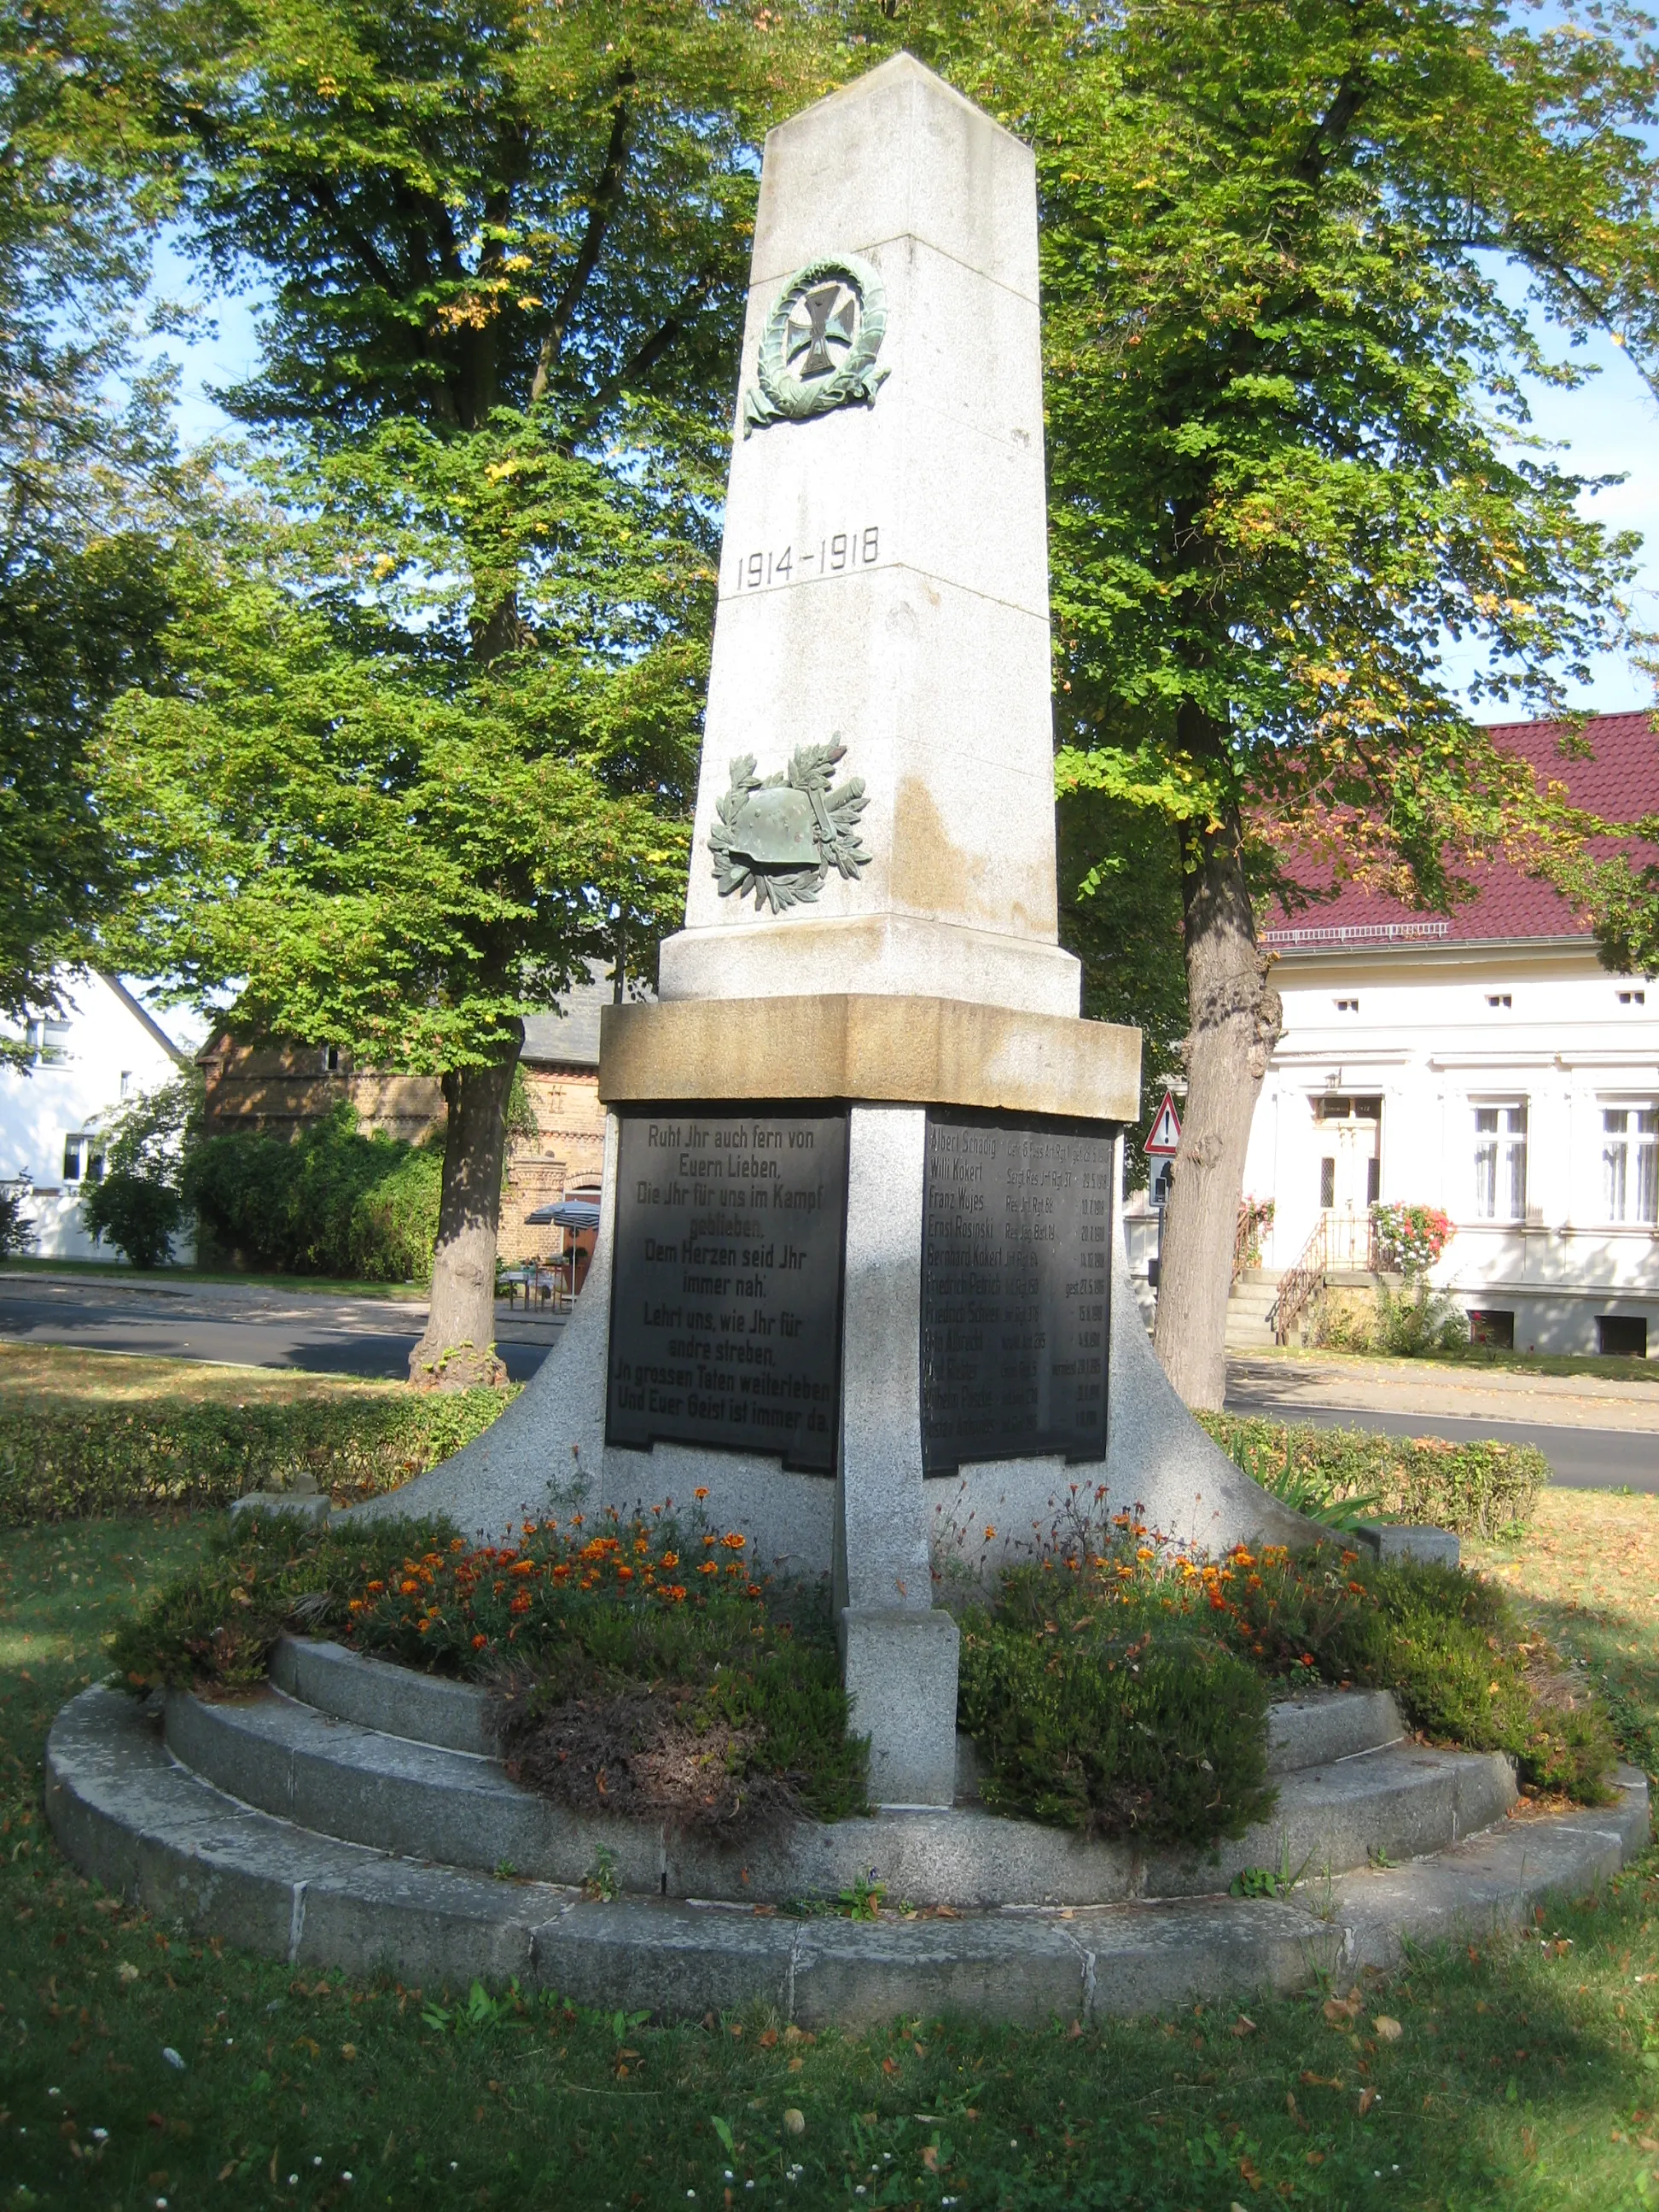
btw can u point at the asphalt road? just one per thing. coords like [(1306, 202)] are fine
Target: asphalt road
[(1580, 1459), (367, 1336), (339, 1336)]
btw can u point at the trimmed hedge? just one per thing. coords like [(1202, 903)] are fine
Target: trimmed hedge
[(1478, 1489), (70, 1463)]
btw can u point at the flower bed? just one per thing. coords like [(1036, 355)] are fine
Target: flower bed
[(1478, 1489), (1119, 1688), (645, 1669)]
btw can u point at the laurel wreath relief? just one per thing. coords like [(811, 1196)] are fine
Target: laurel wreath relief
[(835, 816)]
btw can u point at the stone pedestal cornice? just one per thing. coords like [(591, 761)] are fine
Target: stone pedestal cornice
[(874, 1048)]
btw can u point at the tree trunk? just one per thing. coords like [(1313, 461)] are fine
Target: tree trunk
[(1234, 1017), (459, 1348)]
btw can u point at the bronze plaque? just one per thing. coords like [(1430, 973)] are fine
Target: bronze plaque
[(727, 1282), (1015, 1291)]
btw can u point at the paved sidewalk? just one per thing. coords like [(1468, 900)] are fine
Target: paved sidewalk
[(1406, 1387)]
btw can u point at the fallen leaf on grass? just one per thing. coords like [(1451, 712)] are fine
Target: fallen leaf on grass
[(1291, 2106), (930, 2157), (1367, 2099), (1388, 2029), (1342, 2012), (1243, 2025)]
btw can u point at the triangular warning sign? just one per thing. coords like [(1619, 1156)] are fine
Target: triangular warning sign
[(1165, 1138)]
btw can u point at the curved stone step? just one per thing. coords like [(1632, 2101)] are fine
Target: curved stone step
[(128, 1814), (426, 1801), (1310, 1730)]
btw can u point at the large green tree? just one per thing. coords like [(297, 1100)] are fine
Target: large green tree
[(90, 489), (431, 733), (1287, 434)]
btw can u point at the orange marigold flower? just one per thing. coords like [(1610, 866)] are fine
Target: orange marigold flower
[(1145, 1552), (522, 1567), (710, 1567), (753, 1589), (989, 1533), (356, 1605), (624, 1574), (479, 1642), (409, 1589), (521, 1603), (709, 1542), (1359, 1588), (458, 1543), (733, 1542), (561, 1573), (376, 1586), (699, 1494), (425, 1627), (670, 1560)]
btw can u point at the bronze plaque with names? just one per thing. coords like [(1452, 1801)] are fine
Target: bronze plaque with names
[(727, 1281), (1015, 1291)]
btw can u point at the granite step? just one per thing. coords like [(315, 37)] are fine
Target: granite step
[(428, 1801), (128, 1814), (1310, 1729)]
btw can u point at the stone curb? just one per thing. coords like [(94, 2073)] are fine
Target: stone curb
[(128, 1814)]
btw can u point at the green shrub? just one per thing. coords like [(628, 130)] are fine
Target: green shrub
[(330, 1202), (1111, 1718), (139, 1202), (1478, 1489), (73, 1463), (650, 1672), (1421, 1321)]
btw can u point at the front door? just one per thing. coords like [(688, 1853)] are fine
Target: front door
[(1350, 1175)]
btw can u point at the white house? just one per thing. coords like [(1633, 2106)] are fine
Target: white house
[(1487, 1064), (101, 1048)]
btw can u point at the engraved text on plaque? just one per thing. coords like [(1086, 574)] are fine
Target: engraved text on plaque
[(1016, 1288), (725, 1284)]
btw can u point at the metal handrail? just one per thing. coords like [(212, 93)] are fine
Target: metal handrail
[(1299, 1285)]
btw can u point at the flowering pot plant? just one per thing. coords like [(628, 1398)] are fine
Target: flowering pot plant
[(1410, 1239)]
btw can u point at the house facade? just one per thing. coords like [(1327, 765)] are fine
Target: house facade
[(1484, 1063), (101, 1047), (280, 1089)]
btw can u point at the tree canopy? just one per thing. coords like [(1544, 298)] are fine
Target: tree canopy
[(90, 488)]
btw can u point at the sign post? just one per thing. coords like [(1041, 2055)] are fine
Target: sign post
[(1163, 1143)]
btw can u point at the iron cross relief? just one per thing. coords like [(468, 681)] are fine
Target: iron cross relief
[(830, 312)]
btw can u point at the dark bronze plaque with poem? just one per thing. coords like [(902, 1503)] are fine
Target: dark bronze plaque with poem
[(1015, 1291), (727, 1281)]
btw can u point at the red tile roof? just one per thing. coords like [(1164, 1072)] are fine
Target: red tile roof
[(1619, 779)]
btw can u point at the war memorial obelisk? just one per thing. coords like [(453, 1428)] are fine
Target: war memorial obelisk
[(859, 1273)]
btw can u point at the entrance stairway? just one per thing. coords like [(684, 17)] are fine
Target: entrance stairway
[(1251, 1301), (354, 1814)]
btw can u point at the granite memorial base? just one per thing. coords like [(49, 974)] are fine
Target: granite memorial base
[(886, 1335)]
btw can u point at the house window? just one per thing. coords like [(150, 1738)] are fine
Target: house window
[(1499, 999), (1500, 1163), (1328, 1182), (1630, 1163), (1492, 1325), (49, 1042), (332, 1058), (127, 1083), (83, 1157), (1621, 1336), (1347, 1006), (1632, 998)]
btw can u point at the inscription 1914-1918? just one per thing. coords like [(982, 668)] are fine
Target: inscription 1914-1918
[(726, 1297), (1016, 1292)]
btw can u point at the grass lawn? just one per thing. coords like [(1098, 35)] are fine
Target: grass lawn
[(38, 1378), (117, 1271), (136, 2067)]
